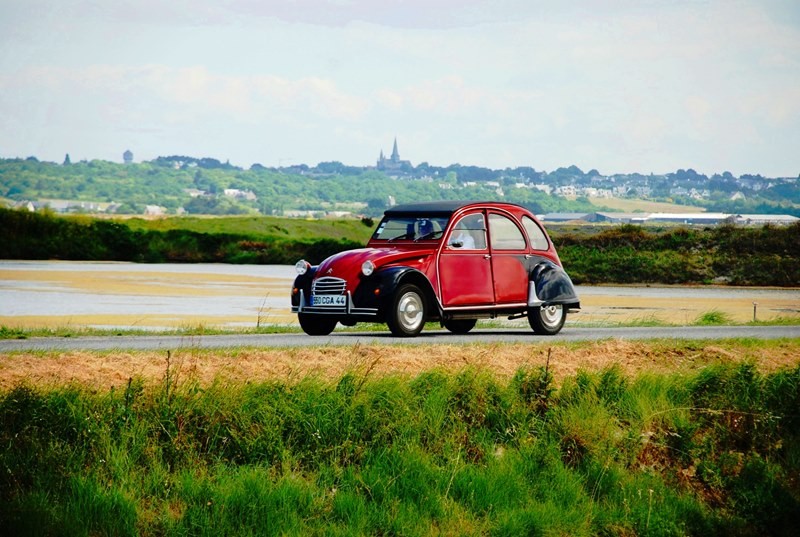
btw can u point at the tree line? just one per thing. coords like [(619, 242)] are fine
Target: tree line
[(197, 186)]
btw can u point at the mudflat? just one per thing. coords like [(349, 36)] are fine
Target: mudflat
[(63, 294)]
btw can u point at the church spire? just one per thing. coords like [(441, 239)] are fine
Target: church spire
[(395, 154)]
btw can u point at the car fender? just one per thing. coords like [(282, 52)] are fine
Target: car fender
[(302, 283), (550, 284), (387, 280)]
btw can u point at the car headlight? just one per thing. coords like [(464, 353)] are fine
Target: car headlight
[(367, 267), (302, 266)]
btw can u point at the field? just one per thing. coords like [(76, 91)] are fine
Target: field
[(604, 438), (634, 205), (112, 370), (260, 227), (600, 438)]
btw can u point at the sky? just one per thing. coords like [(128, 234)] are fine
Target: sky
[(619, 86)]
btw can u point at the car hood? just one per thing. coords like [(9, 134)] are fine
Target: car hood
[(347, 264)]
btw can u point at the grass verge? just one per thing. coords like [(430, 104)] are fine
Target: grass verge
[(712, 317), (439, 452)]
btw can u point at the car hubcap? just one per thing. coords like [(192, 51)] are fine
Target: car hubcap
[(551, 315), (409, 310)]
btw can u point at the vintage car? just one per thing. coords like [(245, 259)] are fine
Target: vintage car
[(452, 262)]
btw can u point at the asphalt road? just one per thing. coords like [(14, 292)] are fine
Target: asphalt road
[(107, 343)]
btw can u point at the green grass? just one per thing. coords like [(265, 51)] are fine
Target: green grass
[(709, 318), (261, 227), (713, 318), (459, 453)]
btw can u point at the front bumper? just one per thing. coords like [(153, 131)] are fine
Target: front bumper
[(347, 310)]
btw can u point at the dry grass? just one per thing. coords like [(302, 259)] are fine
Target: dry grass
[(102, 370)]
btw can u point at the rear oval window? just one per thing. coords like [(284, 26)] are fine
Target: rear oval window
[(535, 234)]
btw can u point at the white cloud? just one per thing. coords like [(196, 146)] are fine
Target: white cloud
[(657, 85)]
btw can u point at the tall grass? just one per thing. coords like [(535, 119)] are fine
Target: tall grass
[(440, 453)]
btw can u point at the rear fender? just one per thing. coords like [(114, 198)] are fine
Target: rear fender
[(550, 284)]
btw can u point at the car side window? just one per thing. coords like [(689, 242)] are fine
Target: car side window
[(469, 233), (505, 234), (535, 234)]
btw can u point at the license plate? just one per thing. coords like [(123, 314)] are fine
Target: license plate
[(328, 300)]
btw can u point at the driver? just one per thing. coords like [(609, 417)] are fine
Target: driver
[(425, 228)]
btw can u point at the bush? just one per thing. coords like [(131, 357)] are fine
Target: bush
[(714, 452)]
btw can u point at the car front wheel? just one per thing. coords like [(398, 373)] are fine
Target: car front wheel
[(547, 320), (316, 325), (407, 316)]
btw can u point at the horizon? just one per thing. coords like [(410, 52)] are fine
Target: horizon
[(372, 166), (628, 87)]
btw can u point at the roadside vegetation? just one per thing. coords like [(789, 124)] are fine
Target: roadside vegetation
[(710, 318), (765, 255), (760, 256), (713, 449), (227, 240)]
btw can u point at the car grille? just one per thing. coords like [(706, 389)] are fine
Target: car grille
[(328, 286)]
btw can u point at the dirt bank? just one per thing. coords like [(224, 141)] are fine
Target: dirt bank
[(104, 370)]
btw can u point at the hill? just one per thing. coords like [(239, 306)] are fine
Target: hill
[(177, 185)]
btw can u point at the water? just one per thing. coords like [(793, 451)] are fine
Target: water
[(58, 293), (75, 290)]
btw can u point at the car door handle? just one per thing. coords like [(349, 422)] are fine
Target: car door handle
[(487, 256)]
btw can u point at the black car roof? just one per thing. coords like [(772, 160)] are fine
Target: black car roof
[(444, 208), (439, 208)]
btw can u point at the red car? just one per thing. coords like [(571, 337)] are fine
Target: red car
[(452, 262)]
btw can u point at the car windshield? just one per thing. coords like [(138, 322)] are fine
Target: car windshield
[(416, 228)]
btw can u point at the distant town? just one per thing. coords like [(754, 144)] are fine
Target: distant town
[(182, 184)]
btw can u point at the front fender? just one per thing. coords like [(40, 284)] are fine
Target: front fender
[(550, 284), (386, 281), (303, 283)]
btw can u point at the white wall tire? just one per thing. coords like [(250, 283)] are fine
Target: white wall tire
[(547, 320), (408, 312)]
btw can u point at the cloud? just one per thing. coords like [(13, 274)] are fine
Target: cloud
[(240, 98), (499, 82)]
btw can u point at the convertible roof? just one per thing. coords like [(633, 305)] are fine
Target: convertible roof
[(443, 208)]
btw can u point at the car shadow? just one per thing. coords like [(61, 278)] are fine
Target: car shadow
[(476, 334)]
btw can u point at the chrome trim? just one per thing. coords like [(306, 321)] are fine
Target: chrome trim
[(533, 299), (328, 285), (491, 307), (348, 309), (340, 312)]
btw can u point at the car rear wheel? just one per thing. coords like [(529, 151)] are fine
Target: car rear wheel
[(460, 326), (316, 325), (547, 320), (407, 316)]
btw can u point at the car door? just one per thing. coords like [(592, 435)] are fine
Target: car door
[(508, 252), (465, 266)]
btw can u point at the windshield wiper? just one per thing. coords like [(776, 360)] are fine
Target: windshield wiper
[(403, 236), (428, 236)]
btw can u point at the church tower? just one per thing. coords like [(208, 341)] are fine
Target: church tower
[(393, 163)]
